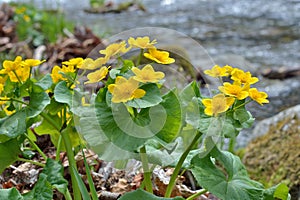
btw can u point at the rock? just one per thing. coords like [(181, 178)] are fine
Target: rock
[(281, 72), (274, 156)]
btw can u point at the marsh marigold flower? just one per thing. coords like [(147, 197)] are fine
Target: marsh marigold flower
[(124, 90), (161, 57), (3, 100), (243, 77), (114, 49), (91, 64), (98, 75), (217, 71), (218, 104), (259, 97), (2, 81), (141, 42), (147, 74), (31, 62), (57, 72), (75, 62), (229, 69), (235, 90), (9, 66)]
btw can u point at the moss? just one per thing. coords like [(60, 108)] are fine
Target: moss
[(275, 157)]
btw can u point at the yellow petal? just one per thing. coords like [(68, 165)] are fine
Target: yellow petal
[(139, 93)]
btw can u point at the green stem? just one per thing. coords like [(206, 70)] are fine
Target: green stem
[(241, 105), (36, 147), (231, 146), (19, 101), (31, 161), (179, 165), (59, 143), (203, 191), (147, 173), (50, 120), (68, 195), (72, 163), (89, 177), (139, 58), (17, 76)]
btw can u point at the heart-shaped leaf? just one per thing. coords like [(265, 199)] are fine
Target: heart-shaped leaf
[(224, 175)]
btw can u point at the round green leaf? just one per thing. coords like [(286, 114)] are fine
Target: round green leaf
[(151, 98)]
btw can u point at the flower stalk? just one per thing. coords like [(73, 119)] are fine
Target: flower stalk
[(179, 165), (147, 172)]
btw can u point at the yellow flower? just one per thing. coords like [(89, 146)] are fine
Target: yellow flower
[(20, 10), (2, 81), (218, 104), (243, 77), (217, 71), (91, 64), (114, 49), (259, 97), (141, 42), (55, 75), (235, 90), (21, 74), (31, 62), (229, 69), (161, 57), (124, 90), (8, 112), (98, 75), (74, 62), (147, 74), (57, 72), (9, 66), (15, 70), (26, 18), (3, 100)]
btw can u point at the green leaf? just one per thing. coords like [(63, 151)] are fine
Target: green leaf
[(169, 154), (46, 128), (241, 114), (173, 120), (244, 117), (226, 176), (45, 82), (141, 194), (62, 93), (189, 98), (54, 107), (114, 134), (90, 129), (11, 193), (151, 98), (85, 194), (228, 129), (54, 171), (113, 73), (38, 101), (117, 125), (127, 64), (281, 192), (12, 126), (41, 191), (9, 152)]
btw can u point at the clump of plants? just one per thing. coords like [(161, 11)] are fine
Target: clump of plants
[(39, 26), (132, 116)]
